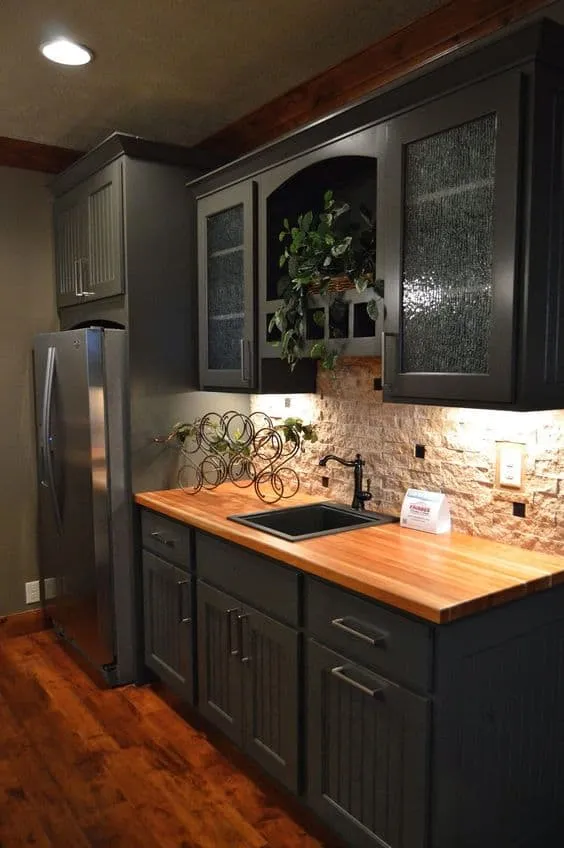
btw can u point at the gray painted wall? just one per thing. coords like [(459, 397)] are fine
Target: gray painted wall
[(28, 307)]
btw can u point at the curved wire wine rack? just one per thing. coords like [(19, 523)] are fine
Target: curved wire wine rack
[(247, 450)]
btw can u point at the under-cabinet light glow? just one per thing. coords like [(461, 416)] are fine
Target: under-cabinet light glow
[(65, 52)]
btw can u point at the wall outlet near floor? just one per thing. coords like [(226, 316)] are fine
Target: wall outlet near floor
[(50, 588), (509, 465), (32, 592)]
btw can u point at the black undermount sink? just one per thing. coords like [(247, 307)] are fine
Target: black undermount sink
[(297, 523)]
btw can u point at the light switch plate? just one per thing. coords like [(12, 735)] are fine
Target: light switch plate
[(509, 465), (32, 592)]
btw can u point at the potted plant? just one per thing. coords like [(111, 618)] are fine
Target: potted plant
[(324, 254)]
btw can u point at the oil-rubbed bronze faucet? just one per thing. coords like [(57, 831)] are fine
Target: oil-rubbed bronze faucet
[(360, 495)]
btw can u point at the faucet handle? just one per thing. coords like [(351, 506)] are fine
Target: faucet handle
[(368, 483)]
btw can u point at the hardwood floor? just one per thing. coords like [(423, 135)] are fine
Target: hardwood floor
[(80, 766)]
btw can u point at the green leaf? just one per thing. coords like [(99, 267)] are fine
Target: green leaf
[(319, 317), (361, 284), (282, 261), (342, 247), (329, 360), (318, 351), (307, 221), (372, 309), (328, 197), (281, 236), (286, 224)]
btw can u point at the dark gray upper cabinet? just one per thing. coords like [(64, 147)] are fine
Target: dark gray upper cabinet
[(168, 627), (227, 290), (349, 169), (248, 680), (448, 224), (467, 173), (89, 238), (368, 753)]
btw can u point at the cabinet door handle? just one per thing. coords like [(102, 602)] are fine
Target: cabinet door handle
[(181, 618), (241, 619), (76, 264), (378, 639), (233, 651), (386, 384), (84, 262), (243, 354), (162, 540), (339, 673)]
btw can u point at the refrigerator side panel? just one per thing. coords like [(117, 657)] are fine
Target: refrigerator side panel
[(125, 600)]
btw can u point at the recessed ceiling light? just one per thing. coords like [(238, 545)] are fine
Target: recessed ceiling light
[(66, 52)]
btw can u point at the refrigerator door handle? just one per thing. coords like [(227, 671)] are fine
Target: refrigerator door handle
[(47, 475)]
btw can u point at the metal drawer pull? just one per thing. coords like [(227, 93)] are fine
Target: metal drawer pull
[(372, 640), (245, 657), (158, 537), (339, 673), (229, 613), (181, 619)]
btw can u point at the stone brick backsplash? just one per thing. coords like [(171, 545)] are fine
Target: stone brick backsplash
[(460, 455)]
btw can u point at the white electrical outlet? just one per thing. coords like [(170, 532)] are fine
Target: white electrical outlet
[(510, 465), (32, 592), (50, 588)]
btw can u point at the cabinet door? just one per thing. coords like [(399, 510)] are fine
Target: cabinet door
[(226, 274), (219, 666), (102, 268), (167, 593), (367, 753), (448, 190), (269, 657), (69, 246)]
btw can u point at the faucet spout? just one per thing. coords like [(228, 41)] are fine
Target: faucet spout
[(360, 496)]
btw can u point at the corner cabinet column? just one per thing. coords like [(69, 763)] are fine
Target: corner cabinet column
[(226, 279), (448, 192)]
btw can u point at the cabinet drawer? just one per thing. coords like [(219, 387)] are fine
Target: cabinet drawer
[(251, 577), (369, 633), (167, 538)]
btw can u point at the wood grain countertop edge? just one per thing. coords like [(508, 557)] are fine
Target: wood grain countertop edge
[(401, 598)]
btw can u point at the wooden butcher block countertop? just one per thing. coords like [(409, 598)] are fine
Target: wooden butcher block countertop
[(439, 578)]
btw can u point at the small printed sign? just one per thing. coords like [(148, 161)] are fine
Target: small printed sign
[(428, 511)]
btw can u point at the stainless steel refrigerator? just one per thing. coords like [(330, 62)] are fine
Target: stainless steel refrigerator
[(84, 526)]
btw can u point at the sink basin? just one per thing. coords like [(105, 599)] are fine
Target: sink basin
[(297, 523)]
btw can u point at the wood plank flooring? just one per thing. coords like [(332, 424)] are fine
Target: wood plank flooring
[(80, 767)]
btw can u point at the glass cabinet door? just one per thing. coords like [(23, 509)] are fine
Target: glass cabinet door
[(449, 212), (226, 284)]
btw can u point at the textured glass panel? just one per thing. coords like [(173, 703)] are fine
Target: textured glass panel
[(226, 283), (225, 229), (224, 342), (448, 250)]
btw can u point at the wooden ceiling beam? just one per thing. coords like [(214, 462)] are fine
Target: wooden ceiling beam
[(457, 23), (16, 153)]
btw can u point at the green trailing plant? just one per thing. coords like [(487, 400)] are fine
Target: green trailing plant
[(317, 250)]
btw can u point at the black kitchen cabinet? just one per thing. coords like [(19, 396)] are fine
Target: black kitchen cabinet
[(168, 623), (248, 678), (219, 673), (227, 289), (368, 753), (448, 212), (469, 176), (88, 222), (349, 169)]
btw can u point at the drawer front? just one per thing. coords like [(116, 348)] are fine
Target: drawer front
[(167, 538), (370, 634), (255, 579)]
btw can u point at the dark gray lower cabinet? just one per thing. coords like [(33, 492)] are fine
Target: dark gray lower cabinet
[(219, 673), (168, 616), (368, 742), (248, 678)]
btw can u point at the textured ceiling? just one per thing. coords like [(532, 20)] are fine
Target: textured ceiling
[(173, 70)]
